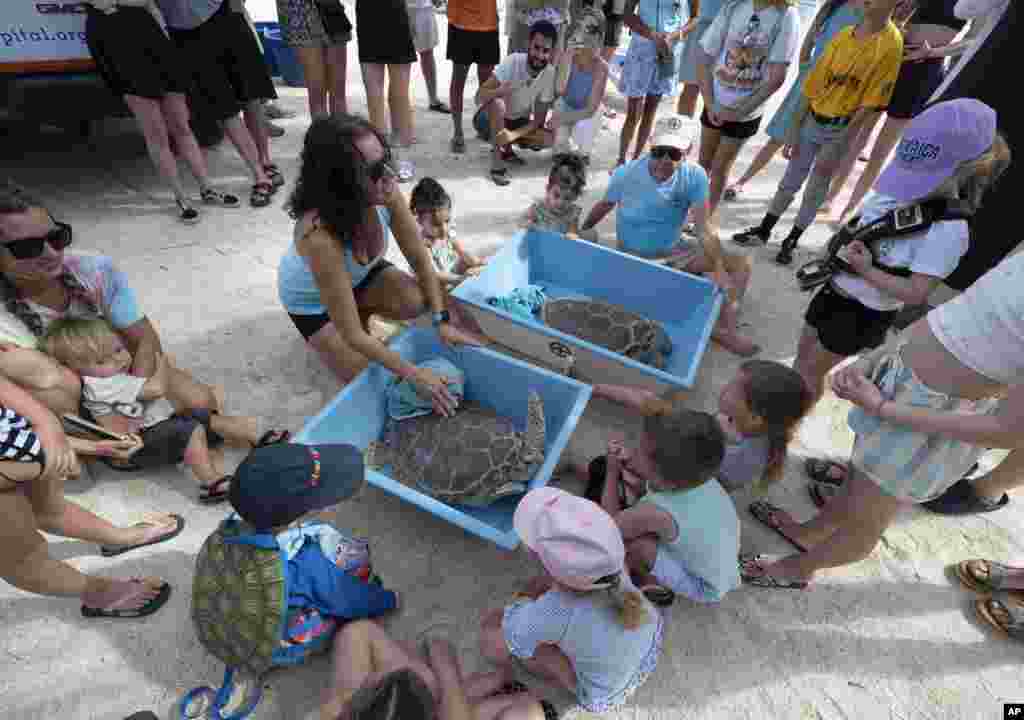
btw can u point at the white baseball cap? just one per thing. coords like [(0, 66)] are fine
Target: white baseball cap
[(674, 131)]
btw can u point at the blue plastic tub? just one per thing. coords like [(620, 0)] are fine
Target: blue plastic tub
[(285, 59), (685, 304), (268, 55), (357, 416)]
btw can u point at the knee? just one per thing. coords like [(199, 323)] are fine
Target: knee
[(197, 446), (492, 644)]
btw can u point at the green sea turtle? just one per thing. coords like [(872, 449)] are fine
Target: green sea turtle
[(473, 458), (611, 327)]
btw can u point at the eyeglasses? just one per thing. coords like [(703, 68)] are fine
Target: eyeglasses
[(672, 153), (29, 248)]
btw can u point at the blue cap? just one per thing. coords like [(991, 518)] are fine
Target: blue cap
[(276, 484)]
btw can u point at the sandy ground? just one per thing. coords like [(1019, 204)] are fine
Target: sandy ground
[(890, 637)]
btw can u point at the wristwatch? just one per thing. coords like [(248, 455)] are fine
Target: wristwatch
[(441, 317)]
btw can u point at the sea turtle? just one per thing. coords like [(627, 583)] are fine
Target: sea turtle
[(472, 458), (610, 326)]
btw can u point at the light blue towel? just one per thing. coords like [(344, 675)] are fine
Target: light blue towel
[(403, 400), (525, 302)]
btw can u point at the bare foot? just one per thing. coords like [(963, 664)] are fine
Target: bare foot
[(112, 595)]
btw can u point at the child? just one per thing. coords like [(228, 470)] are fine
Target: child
[(127, 404), (758, 411), (558, 211), (432, 206), (290, 490), (847, 87), (472, 39), (744, 58), (583, 626), (423, 19)]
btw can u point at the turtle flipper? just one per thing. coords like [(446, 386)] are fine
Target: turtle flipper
[(376, 455), (535, 439)]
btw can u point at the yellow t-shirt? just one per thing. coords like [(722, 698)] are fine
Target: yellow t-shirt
[(855, 73)]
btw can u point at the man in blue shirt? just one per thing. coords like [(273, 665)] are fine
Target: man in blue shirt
[(652, 197)]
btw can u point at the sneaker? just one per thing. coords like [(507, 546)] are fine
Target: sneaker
[(752, 237), (785, 256)]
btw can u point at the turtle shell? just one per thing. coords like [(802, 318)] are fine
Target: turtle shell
[(473, 458), (239, 600), (611, 327)]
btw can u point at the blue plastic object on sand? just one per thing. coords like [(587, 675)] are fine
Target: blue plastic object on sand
[(358, 413), (686, 305)]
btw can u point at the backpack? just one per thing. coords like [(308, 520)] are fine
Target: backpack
[(241, 615)]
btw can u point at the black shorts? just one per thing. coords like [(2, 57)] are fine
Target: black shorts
[(466, 47), (132, 54), (914, 85), (165, 443), (310, 325), (740, 130), (227, 67), (613, 25), (845, 326), (384, 33)]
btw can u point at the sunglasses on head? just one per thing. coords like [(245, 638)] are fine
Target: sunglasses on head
[(672, 153), (29, 248)]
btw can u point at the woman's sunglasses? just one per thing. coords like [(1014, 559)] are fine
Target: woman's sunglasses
[(672, 153), (29, 248)]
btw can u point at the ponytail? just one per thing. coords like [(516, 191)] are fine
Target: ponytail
[(631, 605)]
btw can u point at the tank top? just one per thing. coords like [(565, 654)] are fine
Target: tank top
[(577, 91), (296, 286), (983, 328)]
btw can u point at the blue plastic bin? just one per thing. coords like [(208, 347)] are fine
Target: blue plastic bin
[(268, 56), (285, 59), (357, 416), (685, 304)]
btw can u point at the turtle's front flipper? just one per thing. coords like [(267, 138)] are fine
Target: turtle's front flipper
[(535, 439), (377, 455)]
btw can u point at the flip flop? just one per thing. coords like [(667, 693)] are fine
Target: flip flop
[(148, 609), (179, 525), (763, 511), (273, 437), (763, 580), (500, 176), (210, 495), (823, 487), (440, 107), (996, 575), (274, 173), (1012, 604)]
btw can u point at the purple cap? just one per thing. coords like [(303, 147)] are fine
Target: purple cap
[(933, 146)]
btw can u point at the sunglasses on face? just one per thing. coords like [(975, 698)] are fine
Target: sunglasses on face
[(29, 248), (663, 151), (382, 168)]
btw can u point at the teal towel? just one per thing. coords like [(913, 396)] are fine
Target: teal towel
[(403, 402), (524, 302)]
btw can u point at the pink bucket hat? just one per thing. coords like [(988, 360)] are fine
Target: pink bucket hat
[(934, 144), (576, 540)]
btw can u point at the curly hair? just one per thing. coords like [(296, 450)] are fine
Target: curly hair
[(569, 171), (429, 195), (334, 180)]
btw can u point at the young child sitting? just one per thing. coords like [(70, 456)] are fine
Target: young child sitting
[(683, 535), (142, 408), (558, 210), (582, 626), (290, 490), (432, 206)]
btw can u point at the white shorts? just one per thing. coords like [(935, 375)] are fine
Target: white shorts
[(424, 28)]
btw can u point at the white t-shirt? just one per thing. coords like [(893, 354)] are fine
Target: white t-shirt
[(119, 395), (514, 69), (743, 50), (935, 252), (984, 326)]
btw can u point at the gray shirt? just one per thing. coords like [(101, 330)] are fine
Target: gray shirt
[(188, 14)]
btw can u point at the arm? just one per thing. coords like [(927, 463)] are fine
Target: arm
[(913, 290), (646, 519), (775, 80), (144, 345), (454, 705), (645, 402), (612, 476), (597, 213), (46, 425), (969, 9), (156, 385), (407, 235), (597, 91)]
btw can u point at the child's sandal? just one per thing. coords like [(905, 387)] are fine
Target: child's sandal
[(186, 213), (261, 194), (274, 173), (215, 492)]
